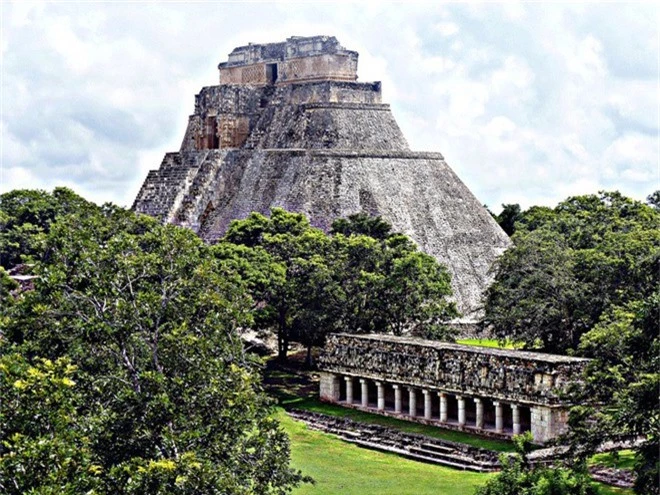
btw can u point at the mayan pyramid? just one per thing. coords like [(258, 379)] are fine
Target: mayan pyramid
[(290, 126)]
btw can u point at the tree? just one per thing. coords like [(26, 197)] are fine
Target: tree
[(45, 447), (345, 282), (569, 265), (362, 224), (518, 477), (653, 199), (584, 278), (508, 217), (623, 380), (152, 321), (27, 214)]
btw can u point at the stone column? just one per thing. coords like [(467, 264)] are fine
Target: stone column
[(397, 399), (443, 407), (349, 389), (427, 403), (499, 423), (329, 387), (515, 411), (381, 396), (365, 392), (461, 410), (412, 402), (479, 423)]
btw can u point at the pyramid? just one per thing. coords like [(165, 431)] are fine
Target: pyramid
[(290, 126)]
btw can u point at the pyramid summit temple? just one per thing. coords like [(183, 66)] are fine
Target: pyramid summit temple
[(289, 125)]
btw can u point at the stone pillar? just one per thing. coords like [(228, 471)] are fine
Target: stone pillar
[(427, 403), (349, 389), (515, 412), (412, 402), (499, 418), (397, 399), (479, 423), (329, 387), (381, 396), (443, 407), (461, 410), (364, 384)]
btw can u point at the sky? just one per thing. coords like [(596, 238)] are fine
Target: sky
[(530, 103)]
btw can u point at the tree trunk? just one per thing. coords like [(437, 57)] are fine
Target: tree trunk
[(310, 359)]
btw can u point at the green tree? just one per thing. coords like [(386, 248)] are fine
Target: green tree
[(569, 265), (362, 224), (345, 282), (152, 320), (25, 215), (45, 448), (584, 278), (623, 379), (518, 477), (653, 199), (508, 217)]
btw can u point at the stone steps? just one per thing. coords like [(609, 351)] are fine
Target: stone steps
[(409, 445)]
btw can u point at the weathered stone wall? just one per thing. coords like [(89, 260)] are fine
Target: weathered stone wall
[(298, 59), (515, 376)]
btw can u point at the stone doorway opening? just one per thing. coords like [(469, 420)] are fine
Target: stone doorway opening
[(271, 73), (525, 419), (212, 140)]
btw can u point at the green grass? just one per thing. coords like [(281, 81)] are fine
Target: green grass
[(623, 459), (487, 343), (341, 468)]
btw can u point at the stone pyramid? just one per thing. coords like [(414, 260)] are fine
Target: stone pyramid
[(290, 126)]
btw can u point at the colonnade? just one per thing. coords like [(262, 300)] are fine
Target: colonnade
[(444, 407)]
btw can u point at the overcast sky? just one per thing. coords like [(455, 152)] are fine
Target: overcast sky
[(528, 103)]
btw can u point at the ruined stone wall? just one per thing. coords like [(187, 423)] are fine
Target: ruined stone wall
[(522, 377), (248, 74), (321, 67), (299, 59)]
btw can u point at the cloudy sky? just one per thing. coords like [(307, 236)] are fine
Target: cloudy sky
[(529, 103)]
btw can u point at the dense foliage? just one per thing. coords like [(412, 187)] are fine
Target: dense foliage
[(584, 278), (361, 279), (570, 266), (127, 346), (518, 477), (128, 351)]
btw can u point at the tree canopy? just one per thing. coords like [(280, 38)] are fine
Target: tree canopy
[(584, 278), (570, 265), (129, 350), (349, 281)]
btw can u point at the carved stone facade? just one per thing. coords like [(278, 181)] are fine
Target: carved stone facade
[(298, 59), (494, 391), (315, 141)]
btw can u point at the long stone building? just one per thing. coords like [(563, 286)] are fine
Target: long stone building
[(288, 125), (495, 392)]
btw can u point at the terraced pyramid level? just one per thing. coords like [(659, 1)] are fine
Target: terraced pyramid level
[(290, 126)]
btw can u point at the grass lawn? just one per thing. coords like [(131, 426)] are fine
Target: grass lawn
[(341, 468), (486, 343), (623, 459)]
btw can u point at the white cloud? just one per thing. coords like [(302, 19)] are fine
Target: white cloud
[(528, 102)]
